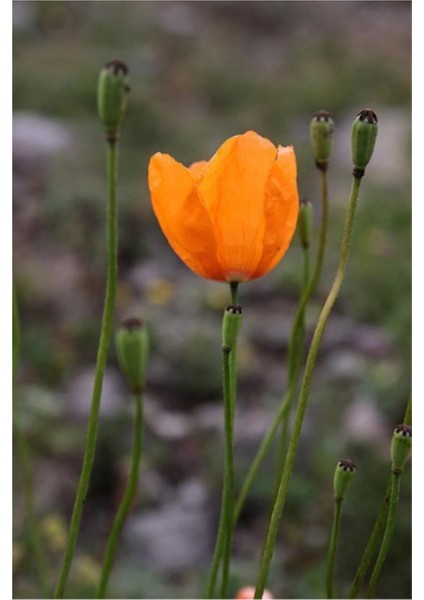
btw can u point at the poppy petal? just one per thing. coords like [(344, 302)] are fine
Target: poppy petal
[(281, 210), (198, 169), (233, 190), (182, 216)]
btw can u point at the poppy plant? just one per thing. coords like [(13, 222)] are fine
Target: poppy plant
[(231, 218)]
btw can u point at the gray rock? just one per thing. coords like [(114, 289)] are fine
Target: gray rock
[(363, 423), (78, 396), (176, 536), (35, 136)]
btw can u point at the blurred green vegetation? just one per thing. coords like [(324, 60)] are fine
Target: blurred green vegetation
[(201, 72)]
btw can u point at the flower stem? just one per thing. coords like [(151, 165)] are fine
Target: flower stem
[(390, 525), (277, 510), (234, 292), (24, 458), (229, 470), (227, 519), (371, 547), (105, 335), (333, 545), (297, 341), (127, 499)]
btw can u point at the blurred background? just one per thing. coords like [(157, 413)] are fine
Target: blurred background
[(200, 73)]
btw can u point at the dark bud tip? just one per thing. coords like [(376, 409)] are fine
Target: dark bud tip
[(347, 465), (234, 310), (343, 474), (322, 133), (403, 430), (367, 115), (322, 116), (363, 138), (132, 323), (231, 324), (118, 67), (401, 446)]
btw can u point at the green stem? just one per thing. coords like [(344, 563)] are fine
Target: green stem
[(229, 470), (127, 499), (225, 529), (277, 510), (218, 552), (105, 335), (24, 458), (234, 292), (407, 417), (333, 545), (390, 525), (371, 547), (295, 359), (297, 340)]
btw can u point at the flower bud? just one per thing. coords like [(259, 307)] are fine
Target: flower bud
[(305, 221), (343, 474), (364, 135), (112, 93), (322, 134), (231, 326), (132, 348), (401, 447), (248, 592)]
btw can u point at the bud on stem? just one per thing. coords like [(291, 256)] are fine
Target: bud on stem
[(305, 221), (345, 470), (401, 447), (112, 93), (322, 134), (132, 348), (364, 135), (231, 326)]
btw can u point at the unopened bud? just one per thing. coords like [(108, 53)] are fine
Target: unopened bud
[(364, 135), (401, 447), (231, 326), (112, 93), (305, 222), (322, 134), (248, 593), (345, 470), (132, 348)]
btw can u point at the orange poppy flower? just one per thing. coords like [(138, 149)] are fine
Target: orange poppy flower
[(232, 218)]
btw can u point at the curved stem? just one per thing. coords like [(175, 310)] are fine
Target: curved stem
[(24, 458), (333, 545), (106, 331), (127, 499), (277, 510), (390, 525), (259, 458), (295, 359), (371, 546), (297, 341)]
